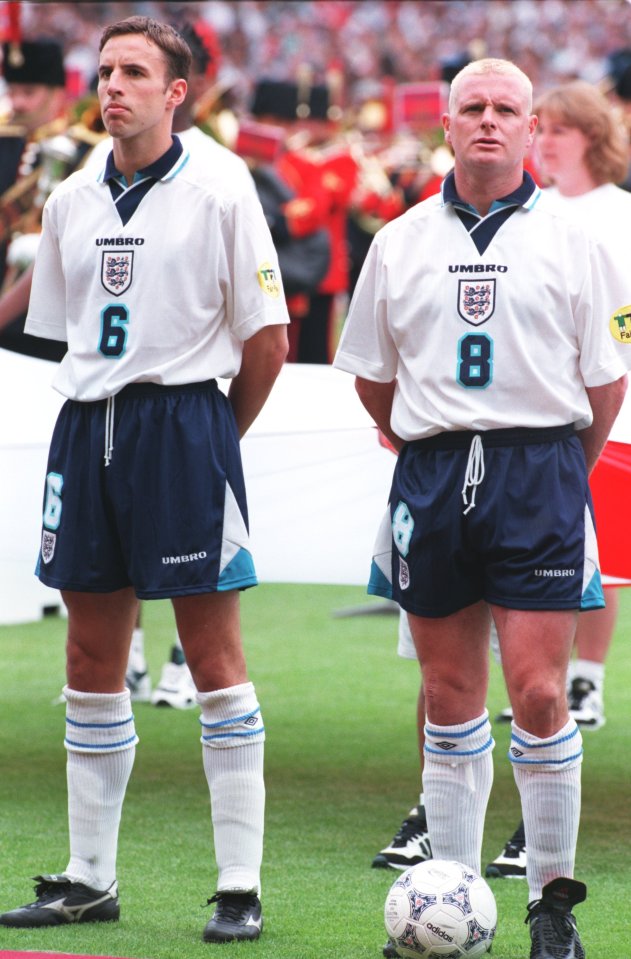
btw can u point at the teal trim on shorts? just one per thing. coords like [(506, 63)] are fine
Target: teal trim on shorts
[(378, 584), (593, 597), (238, 574)]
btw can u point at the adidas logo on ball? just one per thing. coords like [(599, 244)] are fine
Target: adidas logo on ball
[(439, 932)]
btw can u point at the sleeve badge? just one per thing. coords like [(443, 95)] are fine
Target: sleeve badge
[(268, 280), (620, 325)]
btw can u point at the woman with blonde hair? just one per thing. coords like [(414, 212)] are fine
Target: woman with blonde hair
[(582, 149), (582, 144), (582, 152)]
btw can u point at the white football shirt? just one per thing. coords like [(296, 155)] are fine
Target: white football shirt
[(167, 298), (505, 338)]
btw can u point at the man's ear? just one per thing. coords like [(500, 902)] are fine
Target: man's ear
[(532, 126), (446, 118), (177, 92)]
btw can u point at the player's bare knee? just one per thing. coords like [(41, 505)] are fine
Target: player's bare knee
[(450, 699), (540, 706)]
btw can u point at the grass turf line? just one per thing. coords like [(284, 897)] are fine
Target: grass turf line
[(341, 773)]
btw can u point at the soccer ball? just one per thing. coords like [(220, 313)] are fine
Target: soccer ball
[(440, 910)]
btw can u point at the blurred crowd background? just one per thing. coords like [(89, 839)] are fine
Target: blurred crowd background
[(409, 40)]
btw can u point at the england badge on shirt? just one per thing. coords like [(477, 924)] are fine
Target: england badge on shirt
[(476, 301), (116, 271)]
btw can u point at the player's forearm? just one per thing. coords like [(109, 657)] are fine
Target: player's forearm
[(14, 302), (376, 399), (605, 402), (262, 361)]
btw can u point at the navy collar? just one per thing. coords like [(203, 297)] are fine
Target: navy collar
[(158, 170), (524, 195), (483, 229)]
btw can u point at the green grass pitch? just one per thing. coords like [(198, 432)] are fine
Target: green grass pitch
[(341, 772)]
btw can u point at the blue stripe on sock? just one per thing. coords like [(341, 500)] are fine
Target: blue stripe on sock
[(122, 722), (92, 746), (231, 722), (235, 735), (432, 731), (540, 745), (545, 762)]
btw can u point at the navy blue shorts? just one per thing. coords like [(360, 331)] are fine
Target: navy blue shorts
[(528, 543), (167, 515)]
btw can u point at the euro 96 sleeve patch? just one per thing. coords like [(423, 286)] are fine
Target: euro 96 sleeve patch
[(268, 280), (620, 325)]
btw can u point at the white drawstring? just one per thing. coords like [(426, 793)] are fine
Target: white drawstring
[(474, 473), (109, 429)]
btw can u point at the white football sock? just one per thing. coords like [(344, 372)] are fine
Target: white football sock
[(232, 736), (457, 781), (548, 777), (100, 743)]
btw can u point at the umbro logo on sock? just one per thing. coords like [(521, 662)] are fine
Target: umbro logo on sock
[(445, 745)]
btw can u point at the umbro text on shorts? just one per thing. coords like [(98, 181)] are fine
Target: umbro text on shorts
[(500, 515), (146, 490)]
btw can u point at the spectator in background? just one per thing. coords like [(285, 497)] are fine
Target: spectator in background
[(582, 149), (321, 172), (300, 216), (619, 89), (39, 138), (266, 38)]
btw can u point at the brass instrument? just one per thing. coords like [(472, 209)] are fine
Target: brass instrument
[(60, 143), (60, 150)]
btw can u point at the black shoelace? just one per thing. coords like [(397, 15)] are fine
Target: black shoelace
[(232, 907), (410, 828), (46, 890)]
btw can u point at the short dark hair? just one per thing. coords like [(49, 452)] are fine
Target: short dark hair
[(177, 53)]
